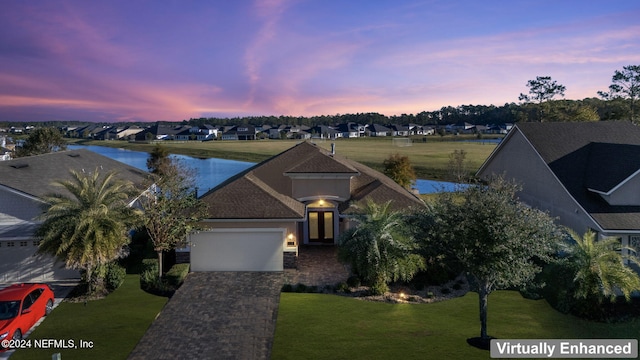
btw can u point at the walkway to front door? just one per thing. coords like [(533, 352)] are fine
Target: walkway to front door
[(317, 266)]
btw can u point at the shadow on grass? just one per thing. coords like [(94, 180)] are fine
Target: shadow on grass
[(480, 343)]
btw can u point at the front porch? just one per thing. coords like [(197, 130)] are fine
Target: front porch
[(317, 266)]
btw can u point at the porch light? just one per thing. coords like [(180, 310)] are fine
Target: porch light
[(291, 240), (321, 202)]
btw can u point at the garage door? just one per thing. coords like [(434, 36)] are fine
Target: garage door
[(19, 263), (237, 250)]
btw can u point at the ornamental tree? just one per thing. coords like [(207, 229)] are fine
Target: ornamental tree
[(496, 239)]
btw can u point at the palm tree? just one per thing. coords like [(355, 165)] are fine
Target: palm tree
[(600, 270), (379, 248), (88, 228)]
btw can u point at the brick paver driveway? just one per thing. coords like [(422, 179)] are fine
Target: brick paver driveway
[(216, 315)]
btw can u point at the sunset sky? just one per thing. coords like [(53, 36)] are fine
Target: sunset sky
[(136, 60)]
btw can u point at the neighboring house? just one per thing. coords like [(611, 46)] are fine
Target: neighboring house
[(5, 153), (378, 130), (23, 183), (587, 174), (304, 195), (325, 132), (349, 130), (243, 132), (399, 130)]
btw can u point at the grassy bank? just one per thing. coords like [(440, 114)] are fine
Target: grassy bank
[(114, 325), (429, 159), (316, 326)]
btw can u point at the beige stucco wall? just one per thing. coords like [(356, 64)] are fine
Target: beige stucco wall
[(540, 188), (303, 188)]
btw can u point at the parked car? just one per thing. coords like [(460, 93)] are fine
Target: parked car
[(21, 306)]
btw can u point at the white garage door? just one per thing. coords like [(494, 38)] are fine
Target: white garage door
[(237, 250), (19, 263)]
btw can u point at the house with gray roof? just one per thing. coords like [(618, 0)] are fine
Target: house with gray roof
[(587, 174), (23, 183), (305, 195)]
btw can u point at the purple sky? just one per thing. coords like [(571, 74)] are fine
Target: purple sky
[(173, 60)]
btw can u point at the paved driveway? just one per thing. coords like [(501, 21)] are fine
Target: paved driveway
[(216, 315)]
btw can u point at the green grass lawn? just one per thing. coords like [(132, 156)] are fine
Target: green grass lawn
[(114, 324), (430, 159), (317, 326)]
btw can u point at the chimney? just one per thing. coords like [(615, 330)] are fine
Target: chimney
[(333, 148)]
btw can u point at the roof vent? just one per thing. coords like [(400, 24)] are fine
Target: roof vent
[(19, 165), (74, 155)]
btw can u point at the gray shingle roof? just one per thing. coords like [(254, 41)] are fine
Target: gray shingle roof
[(35, 175), (591, 155)]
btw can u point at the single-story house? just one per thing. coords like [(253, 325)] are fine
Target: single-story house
[(23, 183), (304, 195), (587, 174)]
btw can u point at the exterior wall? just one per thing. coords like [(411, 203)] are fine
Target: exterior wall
[(16, 206), (516, 159), (19, 263), (627, 194), (302, 188)]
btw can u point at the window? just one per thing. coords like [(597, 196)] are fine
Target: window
[(10, 244), (36, 243), (23, 243)]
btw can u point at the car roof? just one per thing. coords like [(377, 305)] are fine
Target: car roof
[(18, 291)]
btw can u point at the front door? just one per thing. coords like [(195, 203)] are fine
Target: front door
[(321, 227)]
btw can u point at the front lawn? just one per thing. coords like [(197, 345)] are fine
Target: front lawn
[(114, 324), (317, 326)]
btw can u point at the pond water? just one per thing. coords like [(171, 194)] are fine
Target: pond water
[(213, 171)]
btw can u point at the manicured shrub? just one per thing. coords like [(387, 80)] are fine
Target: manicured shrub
[(379, 288), (149, 275), (175, 276), (445, 290), (287, 288), (456, 286), (114, 276), (342, 287), (300, 288), (430, 295)]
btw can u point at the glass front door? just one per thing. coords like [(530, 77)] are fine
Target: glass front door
[(321, 227)]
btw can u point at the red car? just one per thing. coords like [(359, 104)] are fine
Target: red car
[(21, 306)]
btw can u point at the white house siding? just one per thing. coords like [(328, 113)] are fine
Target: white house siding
[(540, 188), (20, 263)]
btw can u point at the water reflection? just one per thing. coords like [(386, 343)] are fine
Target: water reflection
[(213, 171)]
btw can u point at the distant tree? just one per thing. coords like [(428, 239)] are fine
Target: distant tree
[(172, 210), (496, 239), (458, 166), (42, 141), (89, 228), (158, 161), (626, 85), (541, 90), (599, 267), (398, 167), (380, 248)]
